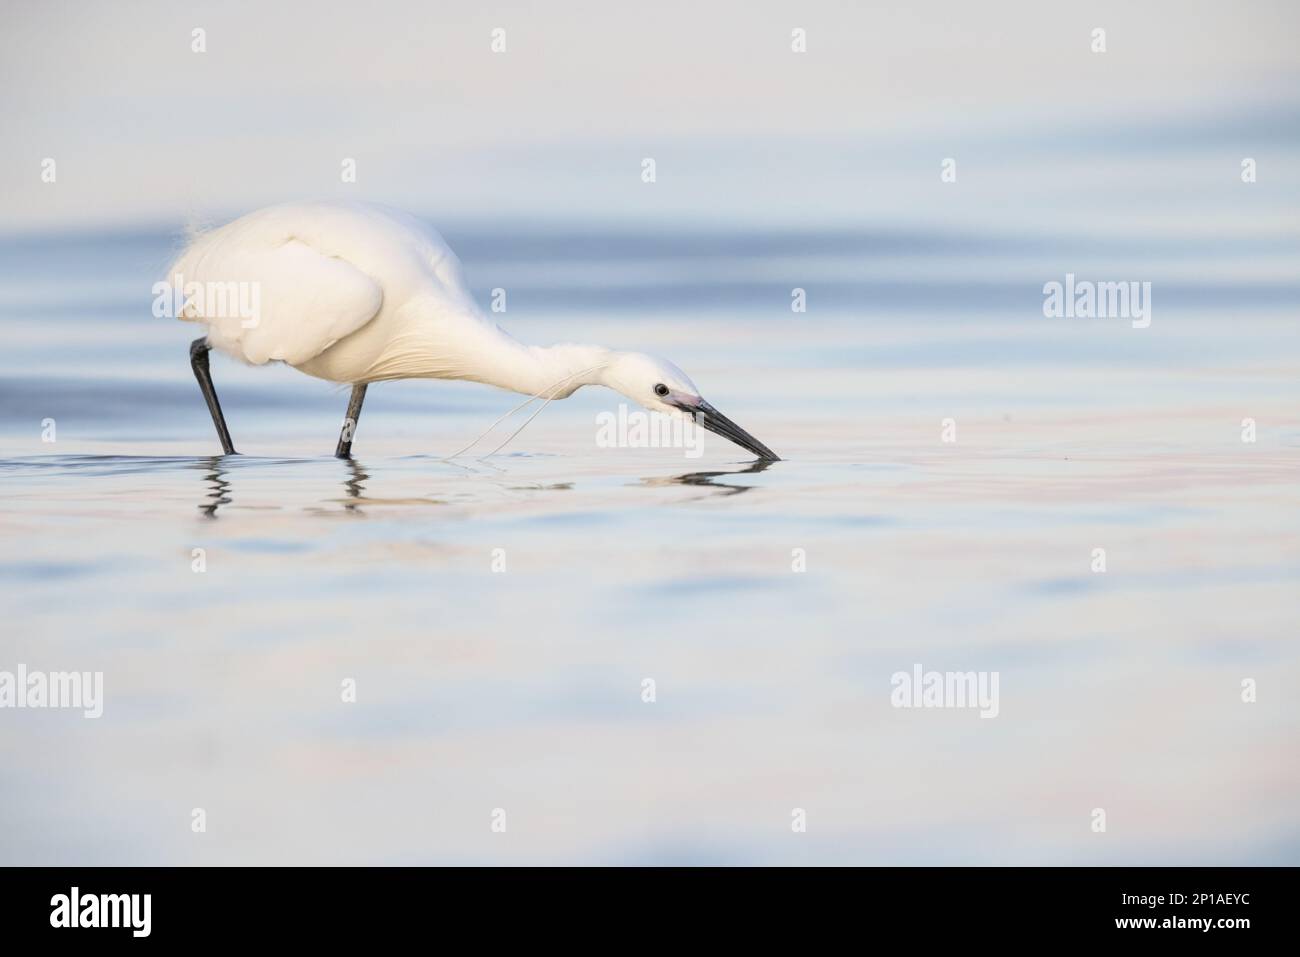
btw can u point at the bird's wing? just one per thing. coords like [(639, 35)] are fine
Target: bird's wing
[(268, 296)]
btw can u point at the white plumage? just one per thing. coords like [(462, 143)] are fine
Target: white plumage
[(324, 271), (356, 293)]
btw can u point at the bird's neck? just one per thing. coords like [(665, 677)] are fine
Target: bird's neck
[(556, 371)]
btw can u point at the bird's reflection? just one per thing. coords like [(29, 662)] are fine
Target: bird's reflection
[(709, 479), (219, 490), (218, 487), (355, 485)]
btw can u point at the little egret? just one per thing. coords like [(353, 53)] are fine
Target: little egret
[(355, 293)]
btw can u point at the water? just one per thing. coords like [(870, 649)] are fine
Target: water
[(499, 618)]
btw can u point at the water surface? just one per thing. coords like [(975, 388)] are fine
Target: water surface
[(500, 617)]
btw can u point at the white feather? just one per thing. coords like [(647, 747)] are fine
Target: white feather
[(318, 273)]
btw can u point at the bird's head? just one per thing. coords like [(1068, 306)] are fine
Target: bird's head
[(660, 386)]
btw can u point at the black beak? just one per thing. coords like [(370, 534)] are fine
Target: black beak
[(713, 420)]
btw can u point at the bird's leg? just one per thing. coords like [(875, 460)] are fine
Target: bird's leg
[(199, 349), (344, 450)]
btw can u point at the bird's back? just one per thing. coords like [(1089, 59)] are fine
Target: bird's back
[(318, 277)]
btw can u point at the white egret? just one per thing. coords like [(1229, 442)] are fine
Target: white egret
[(355, 293)]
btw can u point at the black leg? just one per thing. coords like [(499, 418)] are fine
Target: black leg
[(344, 451), (199, 362)]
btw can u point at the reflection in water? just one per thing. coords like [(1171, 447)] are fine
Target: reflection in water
[(355, 485), (707, 478), (218, 487)]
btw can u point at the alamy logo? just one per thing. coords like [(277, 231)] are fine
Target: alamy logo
[(55, 689), (208, 300), (102, 910), (648, 430), (946, 689), (1084, 299)]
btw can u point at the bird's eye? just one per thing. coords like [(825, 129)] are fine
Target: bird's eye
[(661, 390)]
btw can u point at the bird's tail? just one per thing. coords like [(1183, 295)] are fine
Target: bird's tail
[(189, 245), (196, 226)]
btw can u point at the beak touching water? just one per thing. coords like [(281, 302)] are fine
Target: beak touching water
[(710, 418)]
